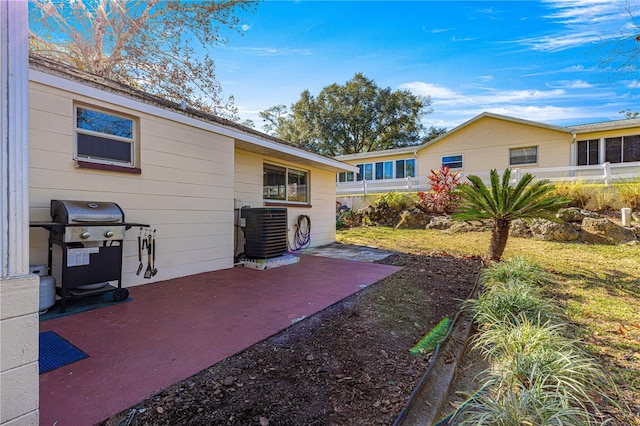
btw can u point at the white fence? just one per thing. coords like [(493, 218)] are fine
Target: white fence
[(606, 173)]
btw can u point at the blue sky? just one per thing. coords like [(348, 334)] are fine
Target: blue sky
[(532, 60)]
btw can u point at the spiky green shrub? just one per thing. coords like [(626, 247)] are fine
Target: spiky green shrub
[(522, 407), (517, 268), (504, 301)]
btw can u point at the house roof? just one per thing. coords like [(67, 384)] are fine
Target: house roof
[(72, 79), (404, 150), (577, 129), (497, 117), (606, 125)]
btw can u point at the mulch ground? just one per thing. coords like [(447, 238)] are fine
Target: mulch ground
[(348, 364)]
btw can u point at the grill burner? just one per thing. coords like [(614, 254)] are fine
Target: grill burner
[(87, 221), (88, 239)]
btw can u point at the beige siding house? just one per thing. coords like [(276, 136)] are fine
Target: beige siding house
[(186, 173), (491, 141), (72, 136)]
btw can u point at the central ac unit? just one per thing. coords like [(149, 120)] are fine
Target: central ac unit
[(265, 232)]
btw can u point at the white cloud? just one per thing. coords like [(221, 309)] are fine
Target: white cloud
[(246, 27), (571, 84), (555, 105), (272, 51), (581, 22)]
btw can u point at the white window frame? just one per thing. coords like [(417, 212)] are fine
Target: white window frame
[(133, 141), (287, 190), (524, 164), (622, 143)]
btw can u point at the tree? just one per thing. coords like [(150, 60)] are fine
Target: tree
[(355, 117), (160, 46), (503, 203), (434, 132)]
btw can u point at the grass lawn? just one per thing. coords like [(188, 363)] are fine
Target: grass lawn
[(598, 285)]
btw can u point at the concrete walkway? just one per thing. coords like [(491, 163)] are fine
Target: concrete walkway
[(176, 328)]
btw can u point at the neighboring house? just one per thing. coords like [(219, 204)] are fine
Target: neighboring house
[(184, 172), (490, 141)]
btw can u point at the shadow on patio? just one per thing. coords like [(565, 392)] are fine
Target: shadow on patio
[(175, 328)]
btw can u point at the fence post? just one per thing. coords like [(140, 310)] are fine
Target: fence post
[(364, 186), (607, 173), (517, 175), (409, 187)]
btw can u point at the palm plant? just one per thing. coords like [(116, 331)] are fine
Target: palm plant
[(503, 203)]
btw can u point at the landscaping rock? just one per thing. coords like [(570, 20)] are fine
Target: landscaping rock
[(543, 229), (574, 214), (439, 222), (520, 228), (413, 218), (603, 231), (469, 226)]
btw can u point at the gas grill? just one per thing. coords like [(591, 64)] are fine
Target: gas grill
[(85, 248)]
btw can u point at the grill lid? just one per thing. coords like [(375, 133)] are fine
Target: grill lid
[(83, 212)]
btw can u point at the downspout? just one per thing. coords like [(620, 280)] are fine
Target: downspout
[(572, 155)]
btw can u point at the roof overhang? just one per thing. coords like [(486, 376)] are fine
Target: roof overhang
[(249, 140)]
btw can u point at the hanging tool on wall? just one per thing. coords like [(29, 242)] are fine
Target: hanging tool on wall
[(148, 271), (140, 266), (154, 270)]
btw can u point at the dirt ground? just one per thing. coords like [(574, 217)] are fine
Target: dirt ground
[(348, 364)]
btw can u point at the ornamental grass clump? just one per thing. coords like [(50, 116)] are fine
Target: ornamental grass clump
[(539, 374), (517, 268), (506, 301)]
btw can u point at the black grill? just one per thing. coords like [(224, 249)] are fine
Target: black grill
[(265, 232)]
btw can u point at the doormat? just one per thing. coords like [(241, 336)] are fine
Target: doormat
[(83, 304), (56, 352)]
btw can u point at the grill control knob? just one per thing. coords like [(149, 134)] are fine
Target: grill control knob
[(84, 235), (108, 234)]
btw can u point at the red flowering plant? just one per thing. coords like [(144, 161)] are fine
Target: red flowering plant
[(442, 198)]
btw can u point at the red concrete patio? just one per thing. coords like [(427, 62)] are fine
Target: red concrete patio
[(176, 328)]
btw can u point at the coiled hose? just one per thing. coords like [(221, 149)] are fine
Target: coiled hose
[(302, 233)]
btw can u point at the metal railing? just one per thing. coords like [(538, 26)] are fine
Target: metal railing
[(606, 173)]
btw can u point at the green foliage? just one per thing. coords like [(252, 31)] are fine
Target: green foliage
[(355, 117), (397, 201), (517, 268), (500, 200), (514, 298), (539, 374), (629, 190), (504, 203), (578, 192)]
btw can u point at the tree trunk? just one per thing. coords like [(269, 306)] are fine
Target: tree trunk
[(499, 236)]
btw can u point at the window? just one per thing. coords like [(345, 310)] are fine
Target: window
[(588, 152), (345, 177), (623, 149), (399, 169), (405, 168), (384, 170), (410, 168), (528, 155), (388, 170), (104, 137), (285, 184), (452, 161), (379, 171), (368, 171)]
